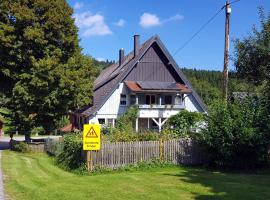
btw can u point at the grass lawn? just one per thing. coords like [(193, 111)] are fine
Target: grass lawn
[(34, 177)]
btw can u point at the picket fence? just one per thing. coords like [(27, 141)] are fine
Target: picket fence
[(118, 154)]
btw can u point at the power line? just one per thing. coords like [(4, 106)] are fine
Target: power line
[(201, 28)]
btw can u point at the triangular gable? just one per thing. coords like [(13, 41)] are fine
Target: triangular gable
[(130, 65), (153, 66)]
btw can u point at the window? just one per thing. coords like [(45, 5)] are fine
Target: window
[(101, 121), (178, 100), (132, 99), (150, 99), (110, 122), (168, 100), (123, 100)]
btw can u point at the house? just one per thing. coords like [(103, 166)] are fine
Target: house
[(148, 77)]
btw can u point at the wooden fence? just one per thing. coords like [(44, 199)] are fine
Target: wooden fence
[(118, 154), (53, 145)]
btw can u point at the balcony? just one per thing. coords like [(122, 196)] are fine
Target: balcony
[(159, 111), (144, 106)]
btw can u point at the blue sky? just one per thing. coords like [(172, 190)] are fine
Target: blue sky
[(105, 26)]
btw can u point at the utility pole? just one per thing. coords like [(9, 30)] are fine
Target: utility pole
[(226, 50)]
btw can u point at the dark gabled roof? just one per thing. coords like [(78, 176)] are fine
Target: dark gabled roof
[(110, 77)]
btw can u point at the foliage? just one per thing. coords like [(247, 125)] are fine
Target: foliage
[(105, 129), (43, 73), (183, 121), (38, 131), (103, 64), (252, 58), (140, 166), (5, 120), (21, 147), (126, 122), (234, 137), (208, 83), (252, 61), (63, 121), (71, 156)]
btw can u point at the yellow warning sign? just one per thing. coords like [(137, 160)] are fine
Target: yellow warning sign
[(91, 137)]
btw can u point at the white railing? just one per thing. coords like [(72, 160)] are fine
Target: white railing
[(144, 106)]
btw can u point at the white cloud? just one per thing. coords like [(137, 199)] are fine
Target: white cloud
[(149, 20), (120, 23), (78, 5), (176, 17), (92, 24)]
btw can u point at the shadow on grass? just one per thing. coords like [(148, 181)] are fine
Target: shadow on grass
[(206, 185), (4, 145)]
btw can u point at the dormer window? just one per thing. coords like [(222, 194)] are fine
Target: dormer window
[(123, 100)]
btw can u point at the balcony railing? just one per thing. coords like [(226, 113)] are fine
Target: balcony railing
[(178, 106)]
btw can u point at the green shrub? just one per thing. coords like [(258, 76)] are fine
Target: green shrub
[(182, 122), (105, 129), (63, 121), (126, 122), (233, 137), (71, 157), (38, 131), (21, 147), (142, 165)]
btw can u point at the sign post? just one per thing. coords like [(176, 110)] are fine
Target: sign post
[(91, 142)]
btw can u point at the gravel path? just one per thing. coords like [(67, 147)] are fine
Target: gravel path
[(1, 180)]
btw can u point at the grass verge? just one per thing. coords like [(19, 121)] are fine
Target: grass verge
[(34, 176)]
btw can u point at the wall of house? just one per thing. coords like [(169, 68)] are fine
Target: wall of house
[(191, 104), (111, 109), (153, 66)]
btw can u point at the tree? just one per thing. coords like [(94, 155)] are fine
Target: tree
[(252, 60), (234, 136), (42, 70), (252, 53)]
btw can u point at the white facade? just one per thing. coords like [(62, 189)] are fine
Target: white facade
[(158, 113), (111, 109)]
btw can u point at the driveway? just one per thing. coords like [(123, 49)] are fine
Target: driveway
[(4, 141)]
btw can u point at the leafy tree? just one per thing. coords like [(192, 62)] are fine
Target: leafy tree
[(252, 60), (252, 54), (234, 137), (42, 70)]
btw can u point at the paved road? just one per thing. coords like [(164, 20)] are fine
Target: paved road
[(4, 141)]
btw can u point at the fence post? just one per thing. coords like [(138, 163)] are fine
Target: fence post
[(89, 161), (161, 150)]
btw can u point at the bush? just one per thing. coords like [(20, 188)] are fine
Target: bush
[(182, 122), (21, 147), (105, 129), (38, 131), (233, 137), (126, 121), (63, 121), (71, 156)]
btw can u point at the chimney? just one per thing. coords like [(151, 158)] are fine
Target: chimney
[(136, 44), (121, 56)]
